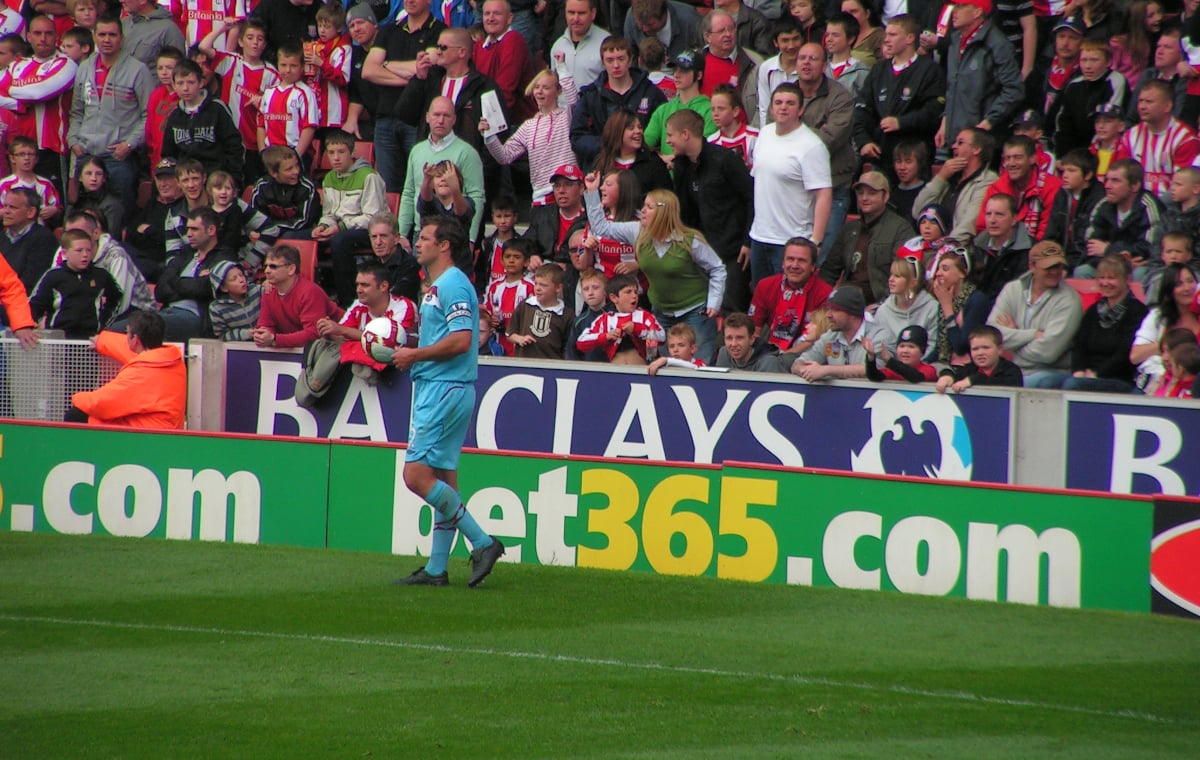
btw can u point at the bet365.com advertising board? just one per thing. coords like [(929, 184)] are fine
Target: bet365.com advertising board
[(749, 523)]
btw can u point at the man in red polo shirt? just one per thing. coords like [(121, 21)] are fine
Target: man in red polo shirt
[(783, 302)]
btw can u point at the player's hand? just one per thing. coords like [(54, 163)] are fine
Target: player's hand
[(403, 358), (29, 339)]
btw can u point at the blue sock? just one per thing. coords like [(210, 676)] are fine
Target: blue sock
[(443, 539), (449, 505)]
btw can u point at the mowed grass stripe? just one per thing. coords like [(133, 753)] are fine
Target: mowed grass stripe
[(147, 648), (696, 670)]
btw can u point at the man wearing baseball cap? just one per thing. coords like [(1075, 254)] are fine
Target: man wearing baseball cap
[(983, 81), (866, 247), (1068, 36), (1038, 314), (839, 352), (689, 73), (552, 225)]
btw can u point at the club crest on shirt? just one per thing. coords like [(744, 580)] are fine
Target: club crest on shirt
[(540, 326)]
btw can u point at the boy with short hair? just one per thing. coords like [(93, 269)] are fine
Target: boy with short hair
[(488, 266), (352, 193), (1073, 204), (77, 43), (244, 79), (540, 324), (592, 284), (681, 345), (289, 113), (652, 57), (285, 195), (1185, 362), (489, 342), (76, 297), (327, 64), (236, 303), (628, 334), (1177, 248), (1096, 86), (1182, 214), (987, 368), (22, 157), (841, 34), (502, 296), (162, 101), (84, 13), (201, 127), (193, 180)]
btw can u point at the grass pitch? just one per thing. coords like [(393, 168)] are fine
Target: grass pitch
[(144, 648)]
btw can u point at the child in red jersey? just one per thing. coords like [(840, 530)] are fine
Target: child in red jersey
[(327, 65), (504, 295), (627, 334)]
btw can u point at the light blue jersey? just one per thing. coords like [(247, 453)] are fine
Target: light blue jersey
[(448, 307)]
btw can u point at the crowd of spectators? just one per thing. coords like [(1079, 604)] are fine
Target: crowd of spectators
[(956, 193)]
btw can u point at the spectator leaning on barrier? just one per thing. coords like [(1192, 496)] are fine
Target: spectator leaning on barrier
[(292, 308), (149, 391), (1038, 314), (743, 350), (839, 352)]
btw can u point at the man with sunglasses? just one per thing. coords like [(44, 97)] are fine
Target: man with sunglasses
[(1038, 314), (962, 182), (293, 305)]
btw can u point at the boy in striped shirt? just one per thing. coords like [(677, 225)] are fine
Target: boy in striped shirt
[(244, 79), (289, 114), (23, 156), (327, 65)]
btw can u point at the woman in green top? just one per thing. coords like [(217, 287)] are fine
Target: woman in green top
[(686, 277)]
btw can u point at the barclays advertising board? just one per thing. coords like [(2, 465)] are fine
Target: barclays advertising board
[(703, 417), (1133, 447)]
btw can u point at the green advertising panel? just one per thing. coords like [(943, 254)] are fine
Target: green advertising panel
[(213, 488), (1069, 550)]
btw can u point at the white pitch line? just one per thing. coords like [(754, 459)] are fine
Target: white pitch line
[(957, 696)]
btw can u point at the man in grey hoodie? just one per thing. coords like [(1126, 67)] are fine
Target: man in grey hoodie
[(1038, 314), (148, 29), (108, 112)]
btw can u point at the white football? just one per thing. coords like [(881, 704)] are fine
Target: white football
[(381, 337)]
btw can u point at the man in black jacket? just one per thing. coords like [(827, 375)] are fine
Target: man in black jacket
[(619, 87), (28, 247), (202, 127), (183, 288), (716, 196), (902, 97), (1072, 209), (551, 227)]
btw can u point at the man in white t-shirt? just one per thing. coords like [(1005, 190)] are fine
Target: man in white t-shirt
[(793, 193)]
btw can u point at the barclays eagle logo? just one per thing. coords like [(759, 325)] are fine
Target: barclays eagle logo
[(917, 434)]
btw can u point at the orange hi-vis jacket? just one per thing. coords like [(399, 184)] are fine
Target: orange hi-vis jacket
[(150, 390)]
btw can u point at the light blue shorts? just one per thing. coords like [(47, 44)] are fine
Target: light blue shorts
[(441, 412)]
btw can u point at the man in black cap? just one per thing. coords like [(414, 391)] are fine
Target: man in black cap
[(689, 73), (1068, 36), (840, 351), (362, 23)]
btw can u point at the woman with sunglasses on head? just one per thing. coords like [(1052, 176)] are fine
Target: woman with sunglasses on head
[(962, 307), (908, 303), (686, 277), (1176, 296)]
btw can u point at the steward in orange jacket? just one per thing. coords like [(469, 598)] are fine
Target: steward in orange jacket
[(16, 305), (150, 390)]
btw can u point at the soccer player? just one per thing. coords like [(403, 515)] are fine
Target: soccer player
[(444, 368)]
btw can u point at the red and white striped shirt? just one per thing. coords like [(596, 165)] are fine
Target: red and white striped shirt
[(1160, 153), (646, 329), (287, 109), (400, 310), (332, 79), (241, 83), (42, 92), (40, 185), (11, 22), (197, 18), (502, 299), (741, 143)]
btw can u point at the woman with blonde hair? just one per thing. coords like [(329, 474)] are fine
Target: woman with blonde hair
[(545, 137), (686, 278)]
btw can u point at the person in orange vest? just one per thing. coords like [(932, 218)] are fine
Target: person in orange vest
[(149, 391), (16, 304)]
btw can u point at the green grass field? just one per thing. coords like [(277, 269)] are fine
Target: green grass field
[(146, 648)]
